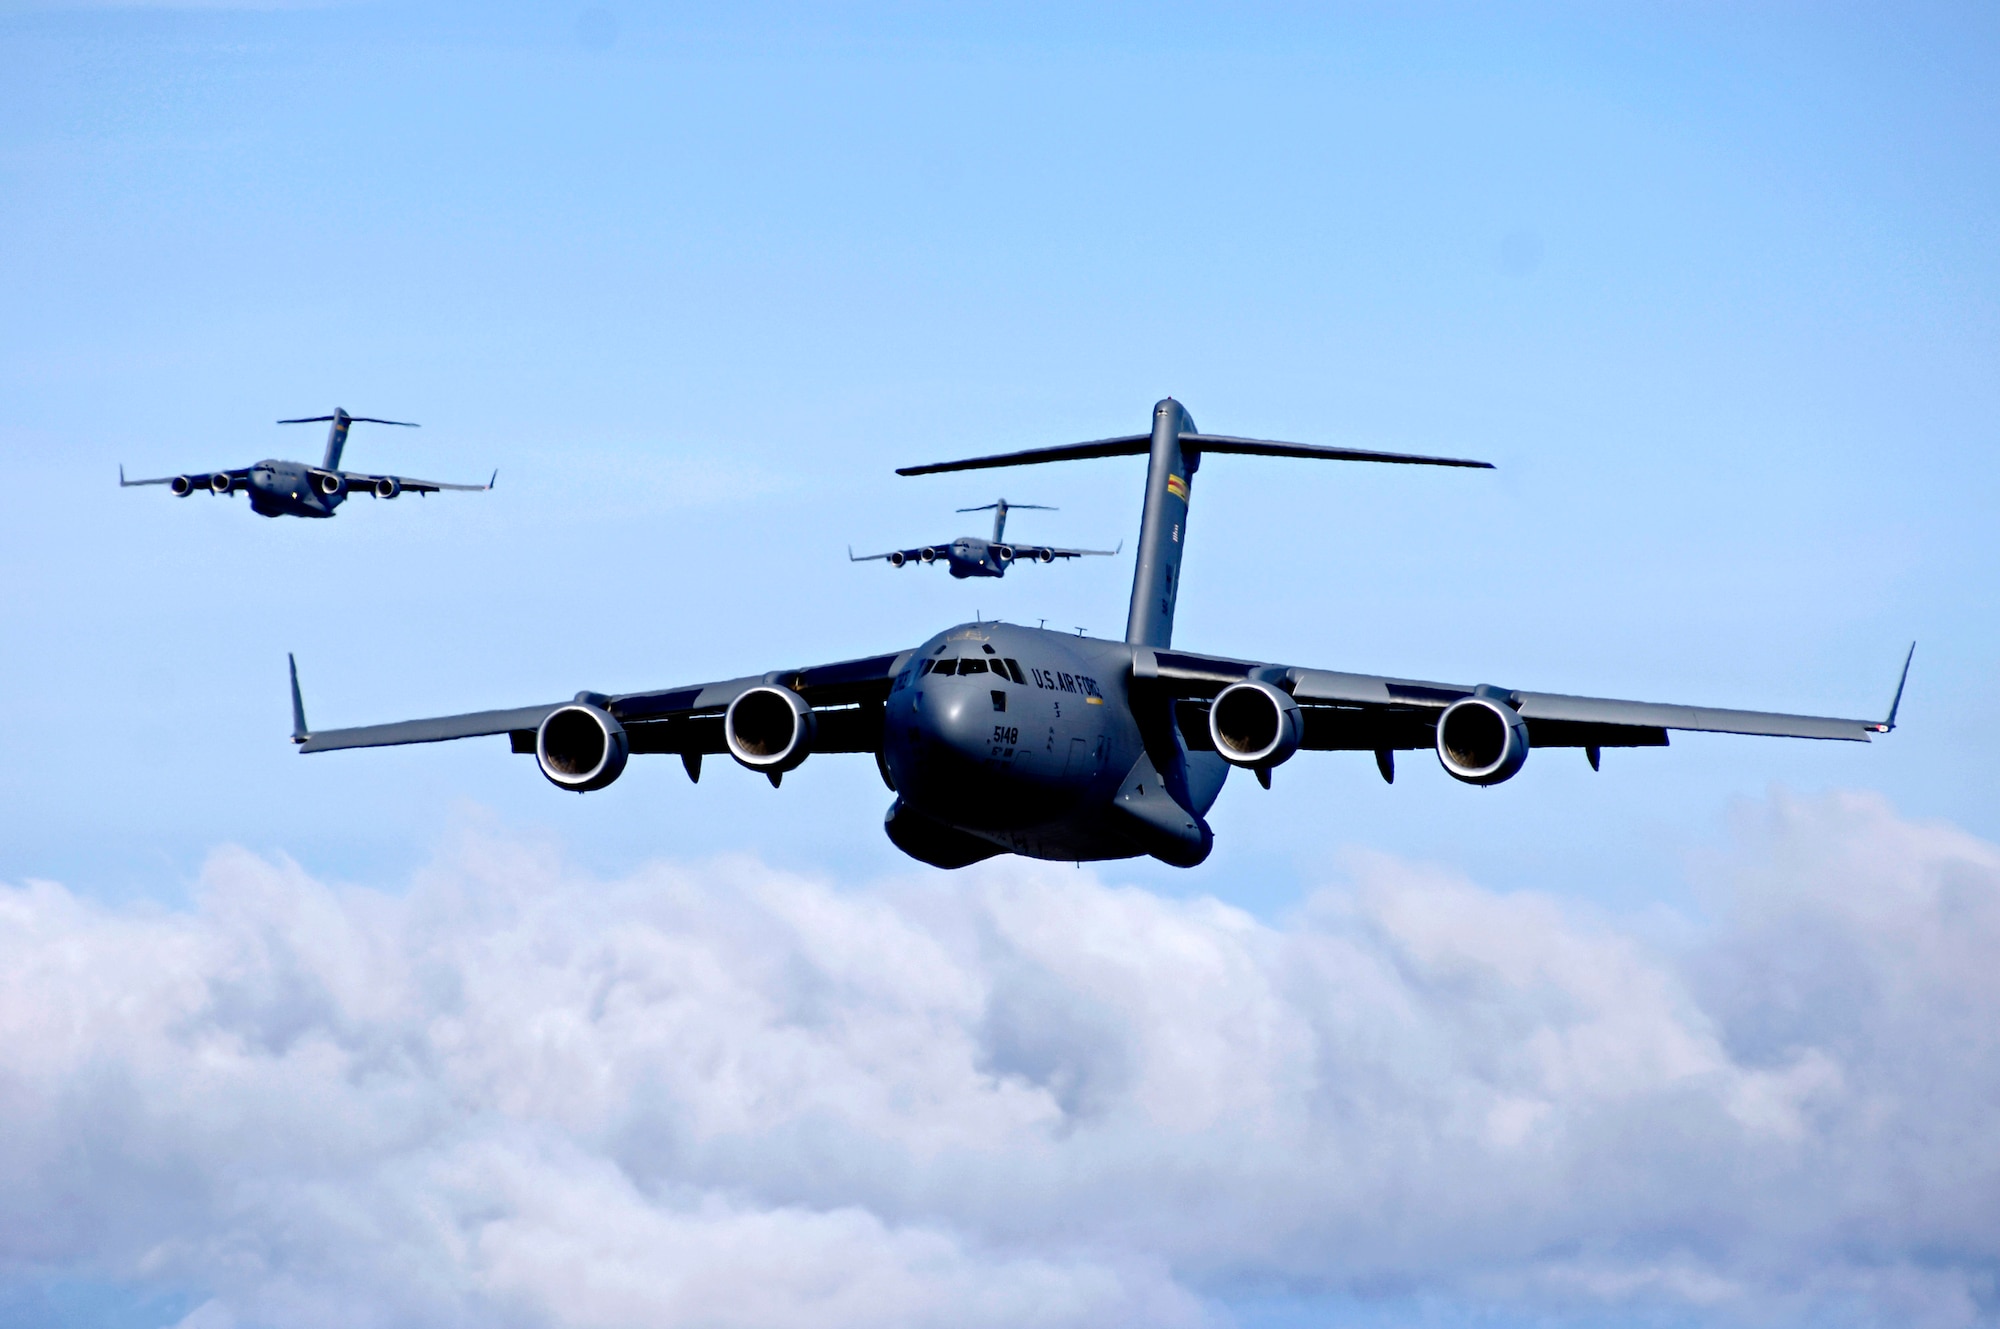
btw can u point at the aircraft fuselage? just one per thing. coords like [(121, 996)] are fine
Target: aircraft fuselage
[(286, 489), (1009, 739)]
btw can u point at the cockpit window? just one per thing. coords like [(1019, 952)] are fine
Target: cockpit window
[(1014, 669), (945, 667), (972, 664)]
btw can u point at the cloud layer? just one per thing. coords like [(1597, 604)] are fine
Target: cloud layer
[(716, 1094)]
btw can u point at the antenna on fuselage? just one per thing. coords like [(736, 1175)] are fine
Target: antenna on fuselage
[(1175, 449), (336, 434)]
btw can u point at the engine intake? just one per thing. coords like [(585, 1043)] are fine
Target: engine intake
[(580, 748), (182, 485), (1482, 740), (330, 483), (897, 559), (769, 729), (221, 482), (388, 487), (1004, 553), (1255, 725)]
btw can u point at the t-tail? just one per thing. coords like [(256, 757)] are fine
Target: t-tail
[(336, 433), (1000, 510), (1174, 451)]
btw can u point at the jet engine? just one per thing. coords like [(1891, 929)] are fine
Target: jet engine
[(1255, 725), (1482, 740), (581, 747), (897, 559), (769, 729), (927, 554), (388, 487), (329, 482), (182, 485), (1046, 555), (221, 483), (1004, 553)]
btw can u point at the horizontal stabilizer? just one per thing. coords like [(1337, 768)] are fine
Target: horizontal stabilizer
[(1138, 445)]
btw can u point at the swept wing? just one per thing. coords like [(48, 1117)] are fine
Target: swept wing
[(404, 484), (846, 698), (1363, 712)]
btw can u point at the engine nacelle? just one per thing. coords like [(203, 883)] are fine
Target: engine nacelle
[(1255, 725), (182, 485), (388, 487), (1482, 740), (897, 559), (329, 483), (927, 554), (1046, 555), (769, 729), (221, 482), (581, 747), (1003, 553)]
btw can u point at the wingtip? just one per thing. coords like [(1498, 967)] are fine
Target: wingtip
[(1896, 703), (299, 731)]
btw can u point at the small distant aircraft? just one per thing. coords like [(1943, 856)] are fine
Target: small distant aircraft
[(296, 489), (970, 556)]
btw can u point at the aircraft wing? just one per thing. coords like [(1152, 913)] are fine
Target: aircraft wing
[(1362, 712), (238, 477), (846, 698), (899, 557), (360, 480), (1048, 554)]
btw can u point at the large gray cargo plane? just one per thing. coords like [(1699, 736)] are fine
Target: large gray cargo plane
[(970, 556), (297, 489), (1003, 739)]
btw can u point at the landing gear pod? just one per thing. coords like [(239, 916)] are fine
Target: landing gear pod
[(1255, 725), (1482, 740), (769, 729), (580, 748)]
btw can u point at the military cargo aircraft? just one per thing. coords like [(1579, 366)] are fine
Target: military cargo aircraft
[(970, 556), (1003, 739), (296, 489)]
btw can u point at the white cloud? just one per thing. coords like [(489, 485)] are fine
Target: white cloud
[(720, 1095)]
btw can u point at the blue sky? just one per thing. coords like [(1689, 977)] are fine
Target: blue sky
[(1713, 285)]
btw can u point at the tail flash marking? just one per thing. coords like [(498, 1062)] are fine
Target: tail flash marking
[(1178, 487)]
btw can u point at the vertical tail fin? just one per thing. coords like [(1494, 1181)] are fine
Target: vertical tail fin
[(336, 433), (1156, 581)]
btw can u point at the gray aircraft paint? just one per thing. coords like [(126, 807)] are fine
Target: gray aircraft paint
[(296, 489), (970, 556), (1162, 529), (1071, 747)]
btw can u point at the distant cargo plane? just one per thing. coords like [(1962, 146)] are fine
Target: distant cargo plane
[(970, 556), (1003, 739), (296, 489)]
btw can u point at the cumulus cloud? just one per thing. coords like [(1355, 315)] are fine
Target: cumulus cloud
[(717, 1094)]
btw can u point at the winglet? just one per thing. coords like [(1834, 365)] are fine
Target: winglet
[(121, 475), (1896, 704), (495, 479), (299, 732)]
